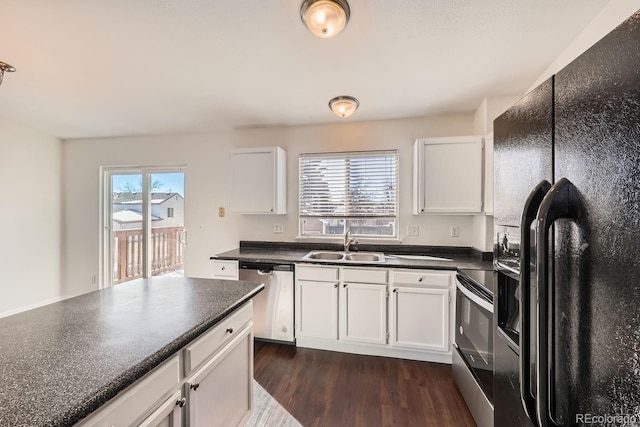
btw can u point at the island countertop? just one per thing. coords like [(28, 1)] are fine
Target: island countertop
[(62, 361)]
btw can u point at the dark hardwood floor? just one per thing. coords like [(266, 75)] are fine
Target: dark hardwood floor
[(324, 388)]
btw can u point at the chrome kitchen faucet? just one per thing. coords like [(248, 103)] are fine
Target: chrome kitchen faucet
[(348, 240)]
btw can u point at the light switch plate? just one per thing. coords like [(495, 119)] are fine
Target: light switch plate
[(220, 212), (455, 231), (277, 228), (413, 230)]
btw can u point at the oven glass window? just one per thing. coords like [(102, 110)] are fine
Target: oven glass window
[(476, 326)]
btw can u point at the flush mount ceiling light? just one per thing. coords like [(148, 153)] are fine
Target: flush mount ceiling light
[(5, 68), (325, 18), (344, 106)]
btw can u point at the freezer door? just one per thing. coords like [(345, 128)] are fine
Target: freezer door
[(523, 142), (596, 275), (523, 138)]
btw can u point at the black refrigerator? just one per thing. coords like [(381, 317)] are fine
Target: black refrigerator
[(567, 247)]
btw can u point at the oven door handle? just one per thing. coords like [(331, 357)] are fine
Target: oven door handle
[(528, 217), (562, 201), (474, 298)]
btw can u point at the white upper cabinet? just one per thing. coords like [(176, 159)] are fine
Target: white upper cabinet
[(259, 183), (447, 175)]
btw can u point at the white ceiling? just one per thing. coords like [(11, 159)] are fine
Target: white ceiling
[(97, 68)]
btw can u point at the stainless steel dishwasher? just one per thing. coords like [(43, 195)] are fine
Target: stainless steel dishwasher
[(273, 307)]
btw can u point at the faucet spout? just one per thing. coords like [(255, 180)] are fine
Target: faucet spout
[(348, 240)]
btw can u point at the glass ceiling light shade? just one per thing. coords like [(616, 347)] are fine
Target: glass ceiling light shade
[(344, 106), (325, 18), (5, 68)]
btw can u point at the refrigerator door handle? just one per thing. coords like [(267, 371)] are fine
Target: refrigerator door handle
[(561, 201), (528, 217)]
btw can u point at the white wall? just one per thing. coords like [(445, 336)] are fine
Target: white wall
[(30, 216), (206, 175), (613, 14), (489, 109), (377, 135), (207, 183)]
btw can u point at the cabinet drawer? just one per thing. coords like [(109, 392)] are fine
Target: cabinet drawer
[(361, 275), (140, 398), (198, 352), (317, 274), (421, 278), (225, 269)]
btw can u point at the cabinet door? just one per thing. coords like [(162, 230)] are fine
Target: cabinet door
[(317, 310), (221, 393), (259, 181), (420, 318), (448, 175), (364, 313), (169, 414)]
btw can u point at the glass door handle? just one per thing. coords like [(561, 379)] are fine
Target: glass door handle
[(528, 217)]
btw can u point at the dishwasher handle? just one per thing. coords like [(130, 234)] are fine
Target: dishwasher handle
[(264, 268)]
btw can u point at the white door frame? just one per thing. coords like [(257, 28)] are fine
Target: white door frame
[(105, 268)]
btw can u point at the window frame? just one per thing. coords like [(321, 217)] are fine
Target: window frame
[(347, 218), (105, 252)]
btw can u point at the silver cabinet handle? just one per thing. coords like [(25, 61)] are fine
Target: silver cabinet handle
[(181, 402), (223, 268), (195, 386), (230, 330), (420, 279)]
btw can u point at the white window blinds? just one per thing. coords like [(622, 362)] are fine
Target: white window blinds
[(349, 185)]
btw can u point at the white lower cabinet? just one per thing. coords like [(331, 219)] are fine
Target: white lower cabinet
[(374, 310), (143, 397), (363, 317), (221, 392), (212, 379), (169, 414), (420, 318), (317, 310)]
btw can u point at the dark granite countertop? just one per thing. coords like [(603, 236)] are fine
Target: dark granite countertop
[(62, 361), (289, 253)]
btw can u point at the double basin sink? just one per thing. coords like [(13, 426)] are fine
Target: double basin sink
[(340, 256), (363, 257)]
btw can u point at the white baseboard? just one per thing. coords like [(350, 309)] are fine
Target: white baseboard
[(32, 306), (373, 350)]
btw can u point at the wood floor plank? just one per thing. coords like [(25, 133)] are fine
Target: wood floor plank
[(324, 388)]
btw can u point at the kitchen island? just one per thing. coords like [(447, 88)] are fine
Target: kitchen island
[(63, 361)]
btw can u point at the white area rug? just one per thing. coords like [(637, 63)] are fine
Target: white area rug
[(268, 412)]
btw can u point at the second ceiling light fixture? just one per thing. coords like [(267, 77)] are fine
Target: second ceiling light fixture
[(326, 18)]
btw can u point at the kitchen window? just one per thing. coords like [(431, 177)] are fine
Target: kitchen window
[(355, 191)]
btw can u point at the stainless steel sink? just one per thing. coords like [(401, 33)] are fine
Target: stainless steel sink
[(365, 256), (346, 257), (327, 256)]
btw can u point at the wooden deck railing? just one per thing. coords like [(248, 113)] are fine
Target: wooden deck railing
[(166, 252)]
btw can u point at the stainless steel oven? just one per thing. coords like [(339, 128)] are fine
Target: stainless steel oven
[(473, 348)]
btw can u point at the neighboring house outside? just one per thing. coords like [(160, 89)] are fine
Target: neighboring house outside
[(167, 210)]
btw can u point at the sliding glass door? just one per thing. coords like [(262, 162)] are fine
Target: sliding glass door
[(144, 223)]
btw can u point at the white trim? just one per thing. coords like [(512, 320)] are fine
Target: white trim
[(32, 306), (375, 350), (105, 266), (362, 240)]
